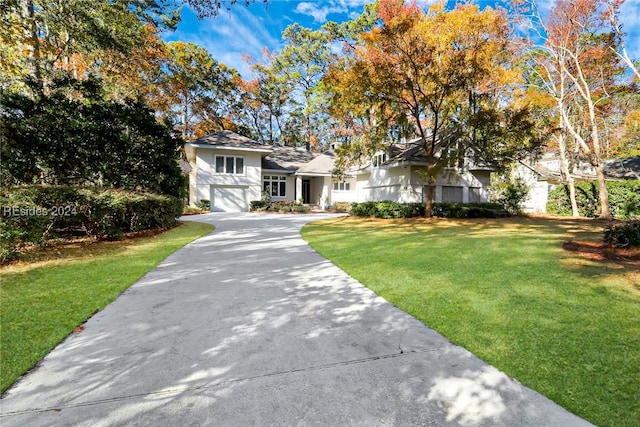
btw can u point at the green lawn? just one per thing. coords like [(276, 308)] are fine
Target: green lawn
[(44, 298), (562, 324)]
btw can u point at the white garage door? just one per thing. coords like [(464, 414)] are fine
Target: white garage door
[(229, 199)]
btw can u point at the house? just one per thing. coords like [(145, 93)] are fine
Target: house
[(543, 175), (395, 174), (231, 170)]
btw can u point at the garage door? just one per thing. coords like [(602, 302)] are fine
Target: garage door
[(229, 199)]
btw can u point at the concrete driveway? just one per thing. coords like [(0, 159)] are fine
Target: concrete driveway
[(250, 326)]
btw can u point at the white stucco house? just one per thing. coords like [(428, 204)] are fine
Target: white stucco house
[(543, 175), (231, 170)]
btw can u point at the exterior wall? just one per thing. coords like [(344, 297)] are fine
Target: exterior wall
[(343, 195), (404, 184), (382, 184), (320, 191), (538, 195), (204, 179)]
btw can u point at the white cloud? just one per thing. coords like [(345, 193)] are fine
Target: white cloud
[(319, 13), (231, 36)]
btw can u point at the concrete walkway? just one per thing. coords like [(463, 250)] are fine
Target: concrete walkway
[(249, 326)]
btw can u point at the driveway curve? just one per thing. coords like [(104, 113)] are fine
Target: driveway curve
[(249, 326)]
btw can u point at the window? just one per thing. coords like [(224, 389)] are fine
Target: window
[(379, 159), (452, 194), (230, 165), (275, 186), (341, 186), (475, 194)]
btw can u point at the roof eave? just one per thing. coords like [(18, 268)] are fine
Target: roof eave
[(303, 173), (287, 171), (228, 148)]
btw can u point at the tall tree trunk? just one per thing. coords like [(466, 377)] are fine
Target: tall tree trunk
[(428, 204), (566, 172), (597, 163), (307, 123), (602, 192)]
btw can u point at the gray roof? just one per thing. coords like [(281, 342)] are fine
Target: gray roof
[(613, 169), (622, 168), (409, 152), (229, 139), (286, 159), (324, 164)]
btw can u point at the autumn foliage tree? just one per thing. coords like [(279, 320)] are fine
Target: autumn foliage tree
[(192, 89), (445, 74), (577, 63)]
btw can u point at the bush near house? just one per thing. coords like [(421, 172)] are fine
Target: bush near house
[(204, 204), (34, 214), (624, 199), (342, 206), (259, 205), (282, 207), (389, 210)]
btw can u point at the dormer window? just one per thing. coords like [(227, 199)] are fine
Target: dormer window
[(379, 159)]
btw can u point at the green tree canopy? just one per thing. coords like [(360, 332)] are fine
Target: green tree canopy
[(74, 135)]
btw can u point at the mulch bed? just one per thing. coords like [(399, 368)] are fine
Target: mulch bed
[(601, 252)]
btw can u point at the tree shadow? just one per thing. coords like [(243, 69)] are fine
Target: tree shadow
[(249, 325)]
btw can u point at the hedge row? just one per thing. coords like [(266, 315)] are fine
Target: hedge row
[(387, 209), (282, 207), (38, 213), (624, 199)]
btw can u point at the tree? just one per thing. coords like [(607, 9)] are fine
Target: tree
[(612, 13), (580, 67), (193, 87), (206, 8), (300, 65), (445, 74), (59, 34), (265, 104), (73, 134)]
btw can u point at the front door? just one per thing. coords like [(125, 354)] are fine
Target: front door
[(306, 190)]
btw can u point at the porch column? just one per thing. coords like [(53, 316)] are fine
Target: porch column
[(298, 193)]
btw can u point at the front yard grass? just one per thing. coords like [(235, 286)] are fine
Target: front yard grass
[(562, 324), (45, 297)]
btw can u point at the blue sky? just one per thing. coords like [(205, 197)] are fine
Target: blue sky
[(248, 30)]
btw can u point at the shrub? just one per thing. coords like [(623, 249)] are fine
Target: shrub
[(512, 194), (204, 204), (37, 213), (623, 235), (257, 205), (342, 206), (388, 210), (624, 199), (282, 207), (469, 210)]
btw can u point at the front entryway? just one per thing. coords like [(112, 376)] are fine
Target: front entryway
[(306, 191)]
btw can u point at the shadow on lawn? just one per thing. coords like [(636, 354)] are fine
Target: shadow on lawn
[(250, 326)]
